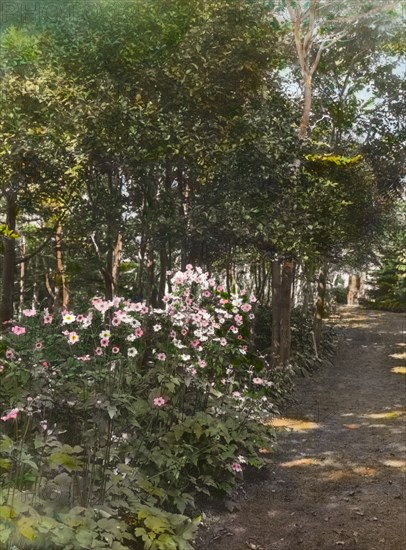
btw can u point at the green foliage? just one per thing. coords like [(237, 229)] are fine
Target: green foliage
[(5, 231), (389, 280)]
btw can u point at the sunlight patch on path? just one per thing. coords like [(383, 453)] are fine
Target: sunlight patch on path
[(310, 461), (293, 424), (401, 464), (398, 370), (398, 355), (387, 415)]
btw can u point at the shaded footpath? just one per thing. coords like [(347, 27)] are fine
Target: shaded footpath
[(338, 477)]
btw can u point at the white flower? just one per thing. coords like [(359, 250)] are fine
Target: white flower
[(105, 334), (68, 318), (185, 357), (131, 337), (157, 327), (132, 352)]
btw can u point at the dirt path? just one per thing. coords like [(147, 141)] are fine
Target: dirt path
[(338, 477)]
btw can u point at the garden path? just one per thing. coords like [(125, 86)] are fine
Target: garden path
[(337, 478)]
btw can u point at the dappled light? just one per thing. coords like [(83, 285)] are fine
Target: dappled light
[(398, 370), (299, 462), (387, 415), (401, 464), (293, 424), (398, 355)]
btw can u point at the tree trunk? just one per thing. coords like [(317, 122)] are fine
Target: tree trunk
[(9, 258), (111, 271), (22, 276), (307, 105), (61, 289), (321, 299), (151, 294), (276, 311), (162, 276), (286, 298)]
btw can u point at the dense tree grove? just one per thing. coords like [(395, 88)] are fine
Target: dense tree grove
[(190, 163)]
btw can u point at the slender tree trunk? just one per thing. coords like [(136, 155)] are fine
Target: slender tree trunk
[(61, 289), (276, 311), (111, 271), (151, 294), (307, 106), (320, 303), (22, 275), (162, 276), (138, 284), (286, 299), (9, 258)]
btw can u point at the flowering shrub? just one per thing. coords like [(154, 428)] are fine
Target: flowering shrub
[(123, 408)]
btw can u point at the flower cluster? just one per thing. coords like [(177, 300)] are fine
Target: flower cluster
[(194, 354)]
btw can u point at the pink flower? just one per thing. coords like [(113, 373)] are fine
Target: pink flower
[(252, 299), (101, 305), (195, 343), (104, 342), (116, 321), (236, 394), (223, 342), (29, 312), (38, 345), (47, 319), (161, 356), (45, 364), (219, 288), (234, 329), (159, 401), (18, 330), (80, 318), (98, 351), (138, 332), (73, 337), (10, 353), (246, 307), (238, 319), (202, 363), (258, 381), (184, 331), (115, 349), (10, 415), (239, 337), (236, 467)]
